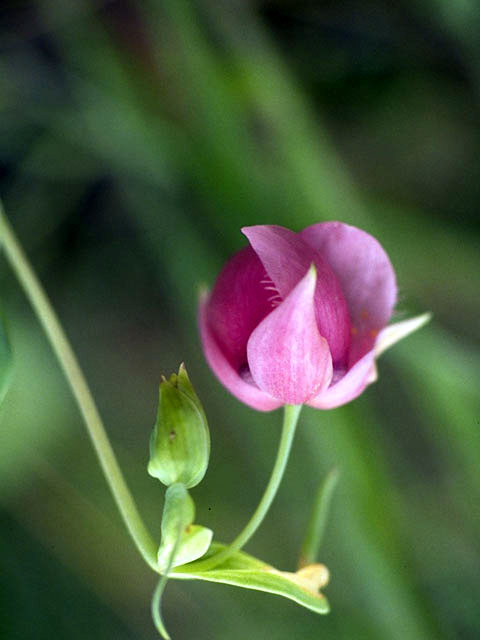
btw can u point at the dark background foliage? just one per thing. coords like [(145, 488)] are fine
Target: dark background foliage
[(136, 139)]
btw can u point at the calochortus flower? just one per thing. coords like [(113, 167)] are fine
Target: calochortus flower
[(300, 318)]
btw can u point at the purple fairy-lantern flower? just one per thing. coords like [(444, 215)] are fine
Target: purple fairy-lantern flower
[(299, 318)]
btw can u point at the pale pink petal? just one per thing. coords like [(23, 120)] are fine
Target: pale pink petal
[(365, 274), (364, 372), (288, 357), (239, 300), (286, 258), (247, 392), (395, 332), (349, 386)]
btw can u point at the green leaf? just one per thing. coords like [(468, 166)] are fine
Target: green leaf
[(318, 519), (5, 359), (243, 570)]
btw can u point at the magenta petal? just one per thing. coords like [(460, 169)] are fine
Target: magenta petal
[(349, 386), (286, 257), (228, 376), (238, 302), (365, 274), (288, 357)]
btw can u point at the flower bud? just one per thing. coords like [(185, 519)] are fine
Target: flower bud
[(180, 442)]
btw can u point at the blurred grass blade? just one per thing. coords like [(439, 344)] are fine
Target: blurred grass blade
[(243, 570), (5, 359), (318, 519), (435, 363)]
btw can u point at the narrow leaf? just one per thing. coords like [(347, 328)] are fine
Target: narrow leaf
[(242, 570), (318, 519)]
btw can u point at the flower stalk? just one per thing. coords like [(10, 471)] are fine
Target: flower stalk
[(68, 361), (290, 420)]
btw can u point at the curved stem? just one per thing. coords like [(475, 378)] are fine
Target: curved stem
[(155, 607), (78, 384), (180, 509), (290, 419)]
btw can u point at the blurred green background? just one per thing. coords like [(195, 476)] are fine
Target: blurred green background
[(136, 139)]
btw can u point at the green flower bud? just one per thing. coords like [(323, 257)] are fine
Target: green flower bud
[(180, 442)]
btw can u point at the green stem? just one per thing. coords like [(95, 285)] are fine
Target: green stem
[(156, 604), (78, 384), (178, 498), (290, 419)]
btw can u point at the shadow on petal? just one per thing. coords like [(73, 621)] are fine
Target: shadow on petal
[(349, 387), (248, 393)]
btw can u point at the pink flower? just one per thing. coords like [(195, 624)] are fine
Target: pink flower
[(300, 317)]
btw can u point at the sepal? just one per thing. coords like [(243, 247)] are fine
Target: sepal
[(189, 540)]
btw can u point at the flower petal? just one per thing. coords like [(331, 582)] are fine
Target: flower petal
[(395, 332), (366, 276), (364, 372), (288, 357), (238, 303), (349, 386), (225, 372), (286, 258)]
